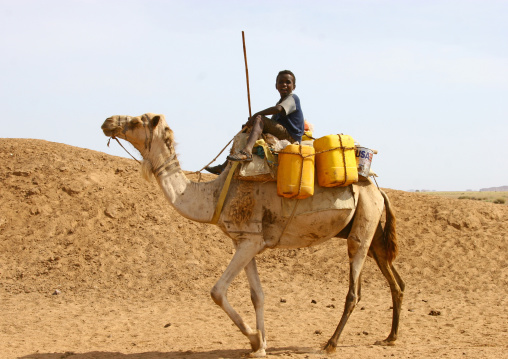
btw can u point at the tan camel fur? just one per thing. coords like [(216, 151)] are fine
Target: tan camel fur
[(254, 218)]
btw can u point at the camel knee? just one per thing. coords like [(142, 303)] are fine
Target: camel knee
[(351, 300), (217, 295), (402, 284), (357, 246), (398, 296), (353, 244), (396, 290)]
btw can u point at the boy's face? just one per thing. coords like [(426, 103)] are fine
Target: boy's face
[(285, 84)]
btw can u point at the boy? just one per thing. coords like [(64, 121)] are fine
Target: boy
[(287, 122)]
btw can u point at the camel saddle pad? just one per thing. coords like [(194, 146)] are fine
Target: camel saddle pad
[(258, 169), (323, 199)]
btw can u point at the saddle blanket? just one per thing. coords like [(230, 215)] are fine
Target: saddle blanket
[(323, 199)]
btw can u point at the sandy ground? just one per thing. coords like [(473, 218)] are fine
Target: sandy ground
[(95, 264)]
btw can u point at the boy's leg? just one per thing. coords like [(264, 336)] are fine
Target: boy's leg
[(261, 125), (275, 128), (216, 170), (246, 153), (255, 134)]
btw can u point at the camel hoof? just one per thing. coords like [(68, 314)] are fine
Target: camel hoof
[(257, 343), (330, 348), (385, 342), (261, 353)]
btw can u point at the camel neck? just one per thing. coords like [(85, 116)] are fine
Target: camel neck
[(193, 200)]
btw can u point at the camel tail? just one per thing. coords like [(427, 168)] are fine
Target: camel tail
[(389, 233)]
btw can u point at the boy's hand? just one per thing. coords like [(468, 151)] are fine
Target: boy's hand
[(250, 121)]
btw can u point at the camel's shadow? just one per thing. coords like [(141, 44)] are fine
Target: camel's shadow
[(190, 354)]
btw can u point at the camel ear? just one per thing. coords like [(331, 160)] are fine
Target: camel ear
[(155, 121)]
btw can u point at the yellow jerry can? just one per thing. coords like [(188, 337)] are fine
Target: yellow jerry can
[(295, 175), (336, 161)]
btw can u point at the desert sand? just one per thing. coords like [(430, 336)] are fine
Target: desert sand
[(94, 263)]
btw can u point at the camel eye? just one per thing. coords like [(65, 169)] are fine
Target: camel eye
[(136, 122)]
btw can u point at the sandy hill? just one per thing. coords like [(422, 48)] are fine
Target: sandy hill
[(94, 263)]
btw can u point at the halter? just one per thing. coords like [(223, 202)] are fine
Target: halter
[(168, 165)]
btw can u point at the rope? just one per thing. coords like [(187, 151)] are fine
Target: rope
[(317, 153), (113, 137), (374, 178), (212, 161), (343, 160), (288, 222), (301, 174)]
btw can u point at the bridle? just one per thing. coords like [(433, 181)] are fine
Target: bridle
[(114, 138), (166, 166)]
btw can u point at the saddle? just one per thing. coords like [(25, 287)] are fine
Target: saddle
[(263, 167)]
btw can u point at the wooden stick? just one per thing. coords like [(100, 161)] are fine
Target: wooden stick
[(246, 72), (250, 113)]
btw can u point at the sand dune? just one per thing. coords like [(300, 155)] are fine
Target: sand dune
[(94, 263)]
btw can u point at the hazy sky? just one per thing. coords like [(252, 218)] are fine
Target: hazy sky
[(423, 82)]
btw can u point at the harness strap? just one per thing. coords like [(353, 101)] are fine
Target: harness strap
[(287, 224), (223, 194), (166, 166)]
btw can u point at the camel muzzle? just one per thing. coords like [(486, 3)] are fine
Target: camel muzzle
[(110, 127)]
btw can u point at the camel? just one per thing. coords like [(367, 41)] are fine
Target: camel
[(256, 219)]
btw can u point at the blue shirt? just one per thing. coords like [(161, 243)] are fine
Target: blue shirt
[(293, 119)]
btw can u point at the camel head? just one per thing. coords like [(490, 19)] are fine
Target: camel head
[(148, 133), (140, 131)]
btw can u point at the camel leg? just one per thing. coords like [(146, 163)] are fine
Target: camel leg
[(352, 299), (359, 288), (364, 227), (258, 298), (399, 280), (246, 250), (394, 280)]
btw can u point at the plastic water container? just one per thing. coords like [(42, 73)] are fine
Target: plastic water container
[(364, 160), (295, 175), (336, 161), (307, 136)]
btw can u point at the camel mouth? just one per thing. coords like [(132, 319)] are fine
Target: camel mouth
[(110, 127)]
